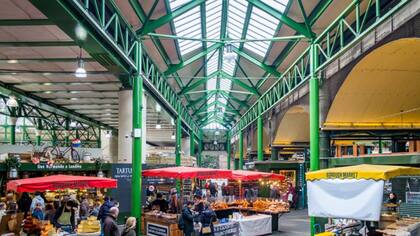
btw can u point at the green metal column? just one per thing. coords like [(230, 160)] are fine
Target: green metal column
[(260, 148), (200, 148), (67, 137), (241, 150), (54, 137), (313, 117), (274, 154), (228, 150), (13, 133), (178, 141), (380, 145), (192, 143), (98, 138), (38, 133), (137, 140), (235, 164)]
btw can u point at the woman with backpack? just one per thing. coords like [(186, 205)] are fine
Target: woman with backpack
[(186, 222)]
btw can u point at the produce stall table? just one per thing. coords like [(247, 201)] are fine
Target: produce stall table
[(161, 225), (255, 225), (275, 215)]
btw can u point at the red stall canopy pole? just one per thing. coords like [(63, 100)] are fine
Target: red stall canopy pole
[(57, 182)]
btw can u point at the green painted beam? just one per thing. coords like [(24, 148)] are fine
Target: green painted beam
[(176, 67), (270, 69), (240, 83), (25, 22), (298, 27), (38, 44), (155, 24)]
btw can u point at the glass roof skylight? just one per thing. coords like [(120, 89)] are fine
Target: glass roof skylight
[(214, 125), (212, 62), (211, 84), (213, 20), (236, 19), (225, 84), (261, 26), (279, 5), (187, 25)]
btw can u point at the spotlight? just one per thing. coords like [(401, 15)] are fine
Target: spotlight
[(11, 102), (80, 71)]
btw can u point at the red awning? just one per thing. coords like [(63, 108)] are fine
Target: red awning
[(182, 172), (245, 175), (57, 182)]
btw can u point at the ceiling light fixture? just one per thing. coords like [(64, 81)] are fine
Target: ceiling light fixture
[(12, 102), (228, 54), (108, 134), (215, 142), (80, 71), (173, 135), (73, 124), (12, 61)]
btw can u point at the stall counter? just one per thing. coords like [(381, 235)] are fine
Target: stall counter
[(161, 225), (255, 225)]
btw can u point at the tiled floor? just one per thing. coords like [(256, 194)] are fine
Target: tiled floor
[(295, 223)]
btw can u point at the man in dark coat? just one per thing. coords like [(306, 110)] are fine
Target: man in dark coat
[(104, 209), (188, 218), (110, 223)]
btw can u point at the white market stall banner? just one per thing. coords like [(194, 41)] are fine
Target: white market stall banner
[(359, 199)]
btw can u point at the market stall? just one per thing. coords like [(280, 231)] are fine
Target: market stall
[(166, 223), (31, 225), (356, 192)]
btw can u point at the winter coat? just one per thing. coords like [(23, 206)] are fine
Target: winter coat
[(188, 219), (110, 226), (104, 210), (128, 232)]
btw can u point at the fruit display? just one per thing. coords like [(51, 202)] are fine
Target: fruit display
[(91, 225), (47, 229), (270, 206), (219, 205), (241, 203)]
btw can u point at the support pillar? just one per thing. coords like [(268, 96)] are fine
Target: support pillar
[(200, 148), (324, 149), (228, 150), (98, 138), (313, 117), (192, 143), (67, 133), (241, 150), (178, 139), (260, 147), (137, 140), (274, 154), (236, 164), (13, 121), (38, 133), (125, 125)]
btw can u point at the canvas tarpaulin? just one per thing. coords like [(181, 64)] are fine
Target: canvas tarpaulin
[(359, 199)]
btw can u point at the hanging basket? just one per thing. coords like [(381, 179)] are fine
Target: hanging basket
[(13, 173)]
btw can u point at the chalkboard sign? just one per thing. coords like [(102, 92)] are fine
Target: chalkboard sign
[(122, 173), (412, 197), (157, 230)]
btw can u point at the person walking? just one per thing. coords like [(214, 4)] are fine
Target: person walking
[(130, 226), (188, 219), (110, 223), (104, 209), (24, 203)]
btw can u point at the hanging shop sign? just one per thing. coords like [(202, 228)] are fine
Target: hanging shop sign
[(122, 173), (59, 166)]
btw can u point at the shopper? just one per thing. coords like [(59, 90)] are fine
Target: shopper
[(207, 217), (95, 209), (291, 195), (49, 212), (130, 226), (198, 204), (11, 205), (213, 189), (37, 213), (188, 219), (84, 209), (24, 203), (160, 203), (392, 199), (173, 201), (64, 217), (104, 209), (37, 199), (110, 223)]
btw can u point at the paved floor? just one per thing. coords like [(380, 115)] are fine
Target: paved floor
[(295, 223)]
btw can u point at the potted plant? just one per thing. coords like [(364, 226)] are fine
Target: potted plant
[(12, 165), (98, 165)]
